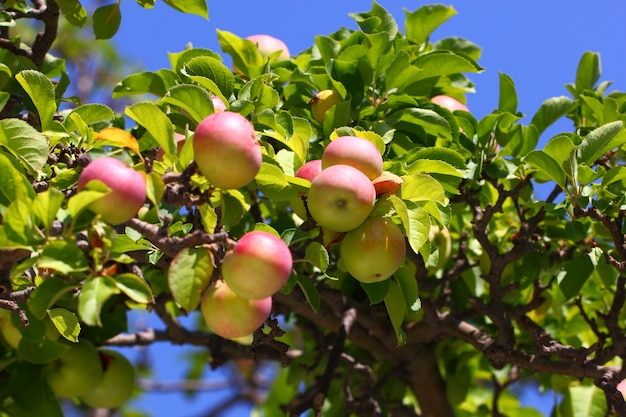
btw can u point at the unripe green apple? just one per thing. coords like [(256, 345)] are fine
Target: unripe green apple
[(322, 101), (77, 371), (267, 45), (441, 239), (128, 189), (449, 103), (258, 266), (117, 382), (373, 251), (354, 151), (226, 150), (307, 171), (231, 316), (340, 198)]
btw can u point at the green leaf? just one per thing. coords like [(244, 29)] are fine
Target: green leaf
[(188, 276), (415, 220), (156, 122), (140, 83), (89, 114), (317, 254), (408, 285), (26, 382), (588, 72), (19, 224), (62, 256), (81, 201), (94, 294), (13, 185), (438, 63), (574, 276), (196, 7), (421, 187), (47, 204), (41, 91), (377, 20), (583, 401), (508, 95), (550, 111), (208, 68), (46, 294), (396, 307), (73, 11), (66, 323), (426, 121), (422, 22), (376, 291), (134, 287), (246, 56), (194, 100), (24, 142), (430, 166), (310, 292), (544, 163), (107, 20), (599, 141)]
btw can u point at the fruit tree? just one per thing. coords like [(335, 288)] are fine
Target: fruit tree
[(337, 216)]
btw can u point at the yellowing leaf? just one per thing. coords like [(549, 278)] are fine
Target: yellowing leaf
[(117, 136)]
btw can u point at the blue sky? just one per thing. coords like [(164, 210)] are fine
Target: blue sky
[(537, 43)]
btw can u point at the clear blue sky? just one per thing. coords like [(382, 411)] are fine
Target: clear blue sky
[(537, 43)]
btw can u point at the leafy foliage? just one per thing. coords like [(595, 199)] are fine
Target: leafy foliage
[(531, 287)]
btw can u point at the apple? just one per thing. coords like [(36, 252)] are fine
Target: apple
[(307, 171), (77, 371), (128, 189), (117, 383), (441, 239), (354, 151), (218, 104), (179, 138), (226, 150), (230, 315), (373, 251), (449, 103), (387, 183), (268, 44), (340, 198), (258, 266), (322, 102)]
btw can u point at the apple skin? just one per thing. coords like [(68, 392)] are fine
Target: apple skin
[(117, 383), (442, 240), (354, 151), (373, 251), (268, 44), (226, 150), (340, 198), (77, 371), (449, 103), (322, 102), (387, 183), (307, 171), (231, 316), (258, 266), (218, 104), (128, 189)]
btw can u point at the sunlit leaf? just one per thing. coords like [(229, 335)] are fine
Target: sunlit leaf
[(189, 275)]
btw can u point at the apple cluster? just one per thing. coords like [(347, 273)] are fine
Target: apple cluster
[(254, 270), (345, 184)]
